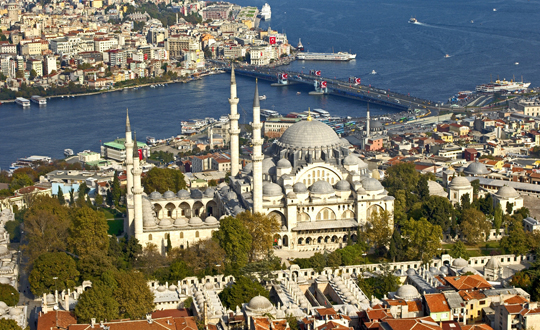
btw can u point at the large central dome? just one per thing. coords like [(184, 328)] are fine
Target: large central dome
[(309, 134)]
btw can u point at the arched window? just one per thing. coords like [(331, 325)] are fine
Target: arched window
[(150, 237), (197, 233), (181, 234)]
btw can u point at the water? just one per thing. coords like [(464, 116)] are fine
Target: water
[(408, 58)]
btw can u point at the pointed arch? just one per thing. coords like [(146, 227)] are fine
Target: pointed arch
[(326, 214), (348, 214), (303, 216)]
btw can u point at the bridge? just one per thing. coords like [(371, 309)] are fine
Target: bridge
[(341, 88)]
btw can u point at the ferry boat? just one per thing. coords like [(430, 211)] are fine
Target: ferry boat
[(502, 85), (266, 12), (322, 113), (150, 140), (68, 152), (265, 114), (22, 101), (39, 100), (262, 97), (413, 20), (340, 56), (300, 47)]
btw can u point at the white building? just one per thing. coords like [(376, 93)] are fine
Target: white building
[(507, 195), (458, 187)]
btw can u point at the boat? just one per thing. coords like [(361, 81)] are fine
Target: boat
[(300, 47), (68, 152), (472, 21), (298, 93), (517, 63), (373, 72), (152, 86), (265, 113), (22, 101), (150, 140), (262, 97), (266, 12), (446, 56), (502, 85), (413, 20), (322, 113), (339, 56), (494, 9), (39, 100)]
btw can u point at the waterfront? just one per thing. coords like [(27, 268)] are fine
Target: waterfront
[(408, 58)]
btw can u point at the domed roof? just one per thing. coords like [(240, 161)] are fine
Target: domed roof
[(322, 187), (180, 222), (299, 187), (272, 189), (493, 263), (196, 194), (4, 280), (460, 182), (309, 134), (248, 168), (195, 221), (173, 288), (268, 166), (507, 192), (371, 184), (259, 304), (209, 192), (411, 271), (3, 305), (322, 279), (343, 185), (407, 292), (435, 189), (209, 286), (284, 163), (15, 311), (350, 160), (169, 194), (183, 194), (210, 220), (468, 269), (444, 270), (155, 195), (231, 195), (50, 298), (434, 270), (460, 263), (161, 288), (476, 168), (375, 124), (165, 222)]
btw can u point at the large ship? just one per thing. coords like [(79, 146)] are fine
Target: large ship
[(502, 85), (266, 12), (340, 56)]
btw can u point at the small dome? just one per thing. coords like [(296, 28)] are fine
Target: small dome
[(493, 264), (173, 288), (299, 187), (210, 220), (259, 304), (435, 189), (507, 192), (208, 286), (460, 263), (444, 270), (268, 166), (4, 280), (14, 311), (231, 195), (155, 195), (3, 305), (196, 194), (183, 194), (375, 124), (180, 222), (248, 168), (350, 160), (433, 270), (284, 163), (165, 222), (407, 292), (195, 221), (476, 168), (169, 194), (343, 185), (322, 279), (50, 298), (460, 182), (371, 184), (468, 269), (322, 187), (272, 189), (2, 311), (209, 192), (411, 271), (161, 288)]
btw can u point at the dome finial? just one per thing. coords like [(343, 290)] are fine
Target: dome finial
[(309, 115)]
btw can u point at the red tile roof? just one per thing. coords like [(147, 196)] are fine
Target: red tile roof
[(48, 321), (437, 303), (468, 282), (421, 323)]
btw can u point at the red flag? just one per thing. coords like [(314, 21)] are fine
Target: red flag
[(272, 40), (323, 84), (318, 73), (261, 53), (357, 81), (140, 153), (285, 76)]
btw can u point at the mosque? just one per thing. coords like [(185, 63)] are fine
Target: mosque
[(309, 180)]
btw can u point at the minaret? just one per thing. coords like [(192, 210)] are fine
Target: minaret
[(137, 190), (211, 138), (233, 121), (129, 173), (257, 157), (367, 121)]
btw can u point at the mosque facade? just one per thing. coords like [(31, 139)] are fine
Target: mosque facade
[(309, 180)]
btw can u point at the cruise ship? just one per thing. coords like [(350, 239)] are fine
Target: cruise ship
[(266, 12), (502, 85), (340, 56)]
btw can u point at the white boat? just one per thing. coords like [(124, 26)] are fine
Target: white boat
[(373, 72), (339, 56), (262, 97), (298, 93), (494, 9), (265, 114), (413, 20), (502, 85), (266, 12), (22, 101), (446, 56), (517, 63), (68, 152), (39, 100)]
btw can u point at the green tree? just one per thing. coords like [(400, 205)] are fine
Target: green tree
[(396, 252), (179, 270), (423, 188), (465, 201), (83, 190), (20, 180), (97, 302), (163, 179), (60, 195), (92, 265), (438, 211), (423, 239), (88, 232), (498, 218), (475, 225), (459, 250), (133, 295), (235, 239), (242, 291), (292, 322), (509, 208), (98, 199), (6, 324), (379, 230), (53, 271), (380, 284), (115, 189), (261, 228), (402, 176), (9, 295), (516, 240), (476, 187), (33, 74)]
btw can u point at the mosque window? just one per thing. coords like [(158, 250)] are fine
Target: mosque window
[(150, 237), (197, 233), (181, 235)]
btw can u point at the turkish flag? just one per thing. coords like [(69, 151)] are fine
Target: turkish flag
[(261, 53), (284, 76), (140, 153), (272, 40), (318, 73), (323, 84), (358, 80)]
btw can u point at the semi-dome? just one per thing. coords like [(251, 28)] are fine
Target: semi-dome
[(169, 194), (322, 187), (195, 221), (210, 220), (259, 304), (272, 189), (299, 187), (476, 168), (268, 166), (460, 263), (460, 182), (208, 286), (350, 160), (371, 184), (407, 292), (343, 185), (196, 194), (309, 134), (435, 189), (411, 271), (183, 194), (284, 163), (209, 192), (155, 195), (507, 192)]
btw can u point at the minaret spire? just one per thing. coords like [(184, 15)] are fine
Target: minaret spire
[(367, 121), (128, 125), (234, 132), (233, 76), (129, 175), (256, 102), (137, 190), (257, 156)]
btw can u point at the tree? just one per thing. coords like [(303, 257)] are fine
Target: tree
[(49, 266), (292, 322), (241, 291), (402, 176), (438, 210), (19, 74), (459, 250), (93, 264), (60, 195), (9, 295), (88, 232), (115, 189), (509, 208), (424, 239), (6, 324), (163, 179), (133, 295), (498, 218), (205, 257), (151, 259), (474, 224), (516, 241), (83, 190), (33, 74), (179, 270), (261, 228), (379, 229), (465, 201), (423, 188), (20, 180), (476, 187), (97, 302), (235, 239), (396, 252), (98, 199), (380, 284)]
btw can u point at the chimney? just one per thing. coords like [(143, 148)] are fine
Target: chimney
[(67, 302), (92, 322)]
